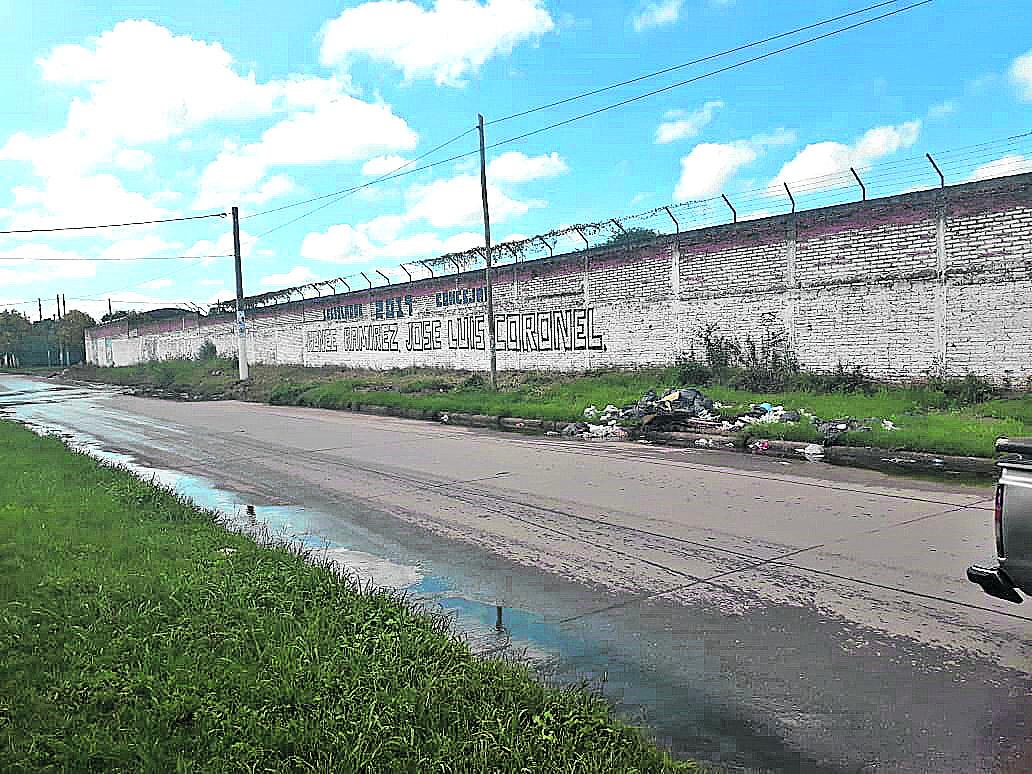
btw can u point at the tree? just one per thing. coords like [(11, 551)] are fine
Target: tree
[(70, 329), (14, 330), (631, 236)]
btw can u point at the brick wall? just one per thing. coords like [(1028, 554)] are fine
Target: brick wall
[(902, 286)]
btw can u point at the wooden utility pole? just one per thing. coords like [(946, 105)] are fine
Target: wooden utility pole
[(487, 256), (241, 326)]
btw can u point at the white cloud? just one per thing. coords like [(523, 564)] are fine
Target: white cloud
[(657, 13), (708, 167), (1021, 75), (299, 275), (943, 109), (344, 129), (18, 268), (211, 282), (158, 284), (383, 165), (133, 160), (148, 245), (825, 158), (457, 202), (223, 245), (368, 243), (143, 84), (75, 200), (446, 42), (516, 167), (1011, 164), (679, 124)]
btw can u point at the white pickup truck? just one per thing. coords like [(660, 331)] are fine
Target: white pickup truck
[(1012, 572)]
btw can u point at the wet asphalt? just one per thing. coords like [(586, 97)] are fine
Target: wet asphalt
[(758, 615)]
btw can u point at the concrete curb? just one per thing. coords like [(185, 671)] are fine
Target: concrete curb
[(896, 461), (869, 457), (872, 458)]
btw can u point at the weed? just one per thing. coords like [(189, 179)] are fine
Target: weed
[(964, 391), (689, 371), (131, 643), (207, 351)]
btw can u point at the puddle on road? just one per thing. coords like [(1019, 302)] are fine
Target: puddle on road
[(683, 715)]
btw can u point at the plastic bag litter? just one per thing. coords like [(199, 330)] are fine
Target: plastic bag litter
[(591, 412), (813, 452), (444, 418), (588, 431), (888, 424)]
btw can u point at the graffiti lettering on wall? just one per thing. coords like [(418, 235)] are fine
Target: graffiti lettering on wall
[(371, 338), (462, 296), (555, 331), (321, 341), (393, 307), (346, 312), (567, 329)]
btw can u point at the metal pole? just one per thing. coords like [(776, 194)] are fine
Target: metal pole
[(427, 267), (58, 315), (64, 305), (616, 223), (487, 252), (408, 274), (40, 302), (581, 235), (241, 325), (942, 180), (790, 197), (109, 307), (546, 244), (677, 226), (734, 213), (863, 188), (384, 276)]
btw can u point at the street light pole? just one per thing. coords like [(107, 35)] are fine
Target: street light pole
[(241, 326)]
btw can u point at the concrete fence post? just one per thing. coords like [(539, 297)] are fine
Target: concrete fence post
[(791, 284), (941, 316)]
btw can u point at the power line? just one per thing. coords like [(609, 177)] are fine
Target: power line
[(132, 258), (700, 60), (388, 176), (397, 173), (709, 74), (113, 225)]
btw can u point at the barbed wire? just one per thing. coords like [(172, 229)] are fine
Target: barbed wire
[(819, 191)]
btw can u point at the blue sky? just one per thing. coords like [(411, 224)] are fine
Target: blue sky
[(158, 110)]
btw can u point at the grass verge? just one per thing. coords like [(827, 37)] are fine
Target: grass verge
[(930, 419), (137, 634)]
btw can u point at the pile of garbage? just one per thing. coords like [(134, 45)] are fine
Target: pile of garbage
[(689, 409)]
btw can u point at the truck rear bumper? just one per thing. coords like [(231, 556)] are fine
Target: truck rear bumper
[(994, 582)]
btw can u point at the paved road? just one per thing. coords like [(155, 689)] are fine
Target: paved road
[(821, 607)]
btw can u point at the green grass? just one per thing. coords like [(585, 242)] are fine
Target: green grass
[(137, 634), (929, 419)]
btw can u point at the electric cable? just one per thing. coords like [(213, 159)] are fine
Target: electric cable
[(681, 66), (113, 225)]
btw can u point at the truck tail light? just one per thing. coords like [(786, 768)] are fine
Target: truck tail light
[(998, 520)]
